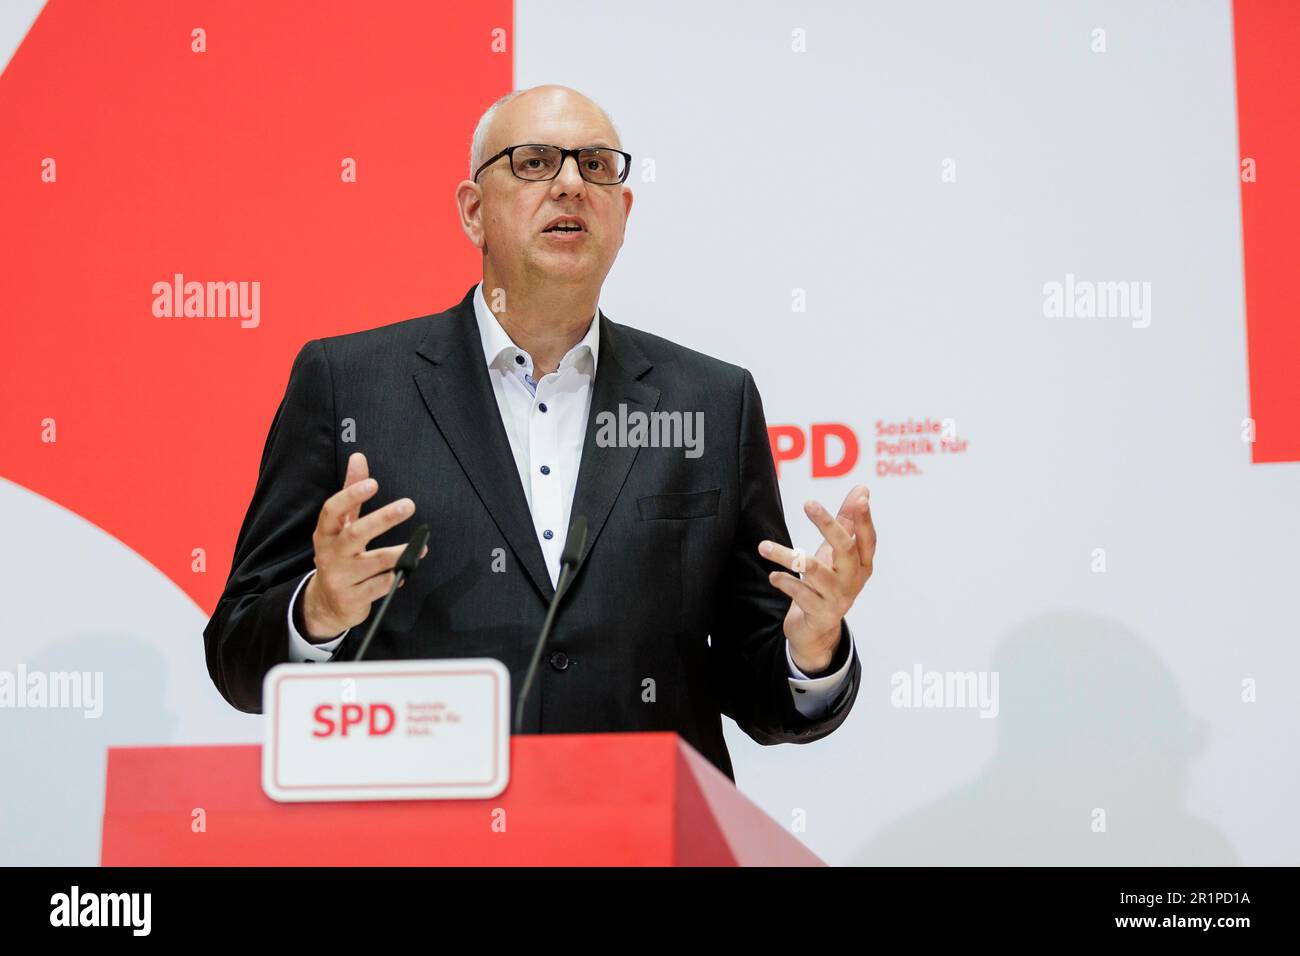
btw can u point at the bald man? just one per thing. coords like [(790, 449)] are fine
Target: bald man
[(498, 422)]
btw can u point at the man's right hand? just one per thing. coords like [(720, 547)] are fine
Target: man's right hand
[(349, 578)]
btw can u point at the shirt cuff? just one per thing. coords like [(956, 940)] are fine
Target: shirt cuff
[(303, 651), (813, 696)]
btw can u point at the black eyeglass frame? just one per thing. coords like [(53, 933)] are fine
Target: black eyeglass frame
[(564, 155)]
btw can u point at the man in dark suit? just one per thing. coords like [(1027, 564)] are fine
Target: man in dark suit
[(498, 421)]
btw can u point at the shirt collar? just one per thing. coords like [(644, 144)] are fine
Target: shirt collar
[(498, 347)]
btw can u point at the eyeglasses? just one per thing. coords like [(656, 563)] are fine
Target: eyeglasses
[(537, 163)]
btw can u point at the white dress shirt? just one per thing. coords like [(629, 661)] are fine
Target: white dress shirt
[(546, 422)]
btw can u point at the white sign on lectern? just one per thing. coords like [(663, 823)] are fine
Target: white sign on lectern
[(386, 730)]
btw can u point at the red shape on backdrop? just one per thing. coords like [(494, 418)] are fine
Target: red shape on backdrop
[(222, 166), (1268, 90)]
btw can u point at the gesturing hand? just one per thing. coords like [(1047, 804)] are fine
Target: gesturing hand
[(349, 578), (832, 578)]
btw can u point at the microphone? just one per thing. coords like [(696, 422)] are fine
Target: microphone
[(573, 545), (405, 565)]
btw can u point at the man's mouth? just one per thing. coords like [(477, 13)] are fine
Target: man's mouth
[(566, 225)]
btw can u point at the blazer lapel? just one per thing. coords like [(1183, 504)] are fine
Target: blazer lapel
[(458, 393), (603, 471)]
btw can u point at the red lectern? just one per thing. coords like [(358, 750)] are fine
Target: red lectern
[(627, 799)]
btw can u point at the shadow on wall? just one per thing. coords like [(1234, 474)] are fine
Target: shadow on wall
[(1089, 721), (54, 759)]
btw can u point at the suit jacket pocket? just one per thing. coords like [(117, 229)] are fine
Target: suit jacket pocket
[(681, 504)]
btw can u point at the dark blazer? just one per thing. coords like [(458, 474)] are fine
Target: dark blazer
[(670, 587)]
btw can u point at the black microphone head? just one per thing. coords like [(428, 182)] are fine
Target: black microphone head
[(575, 542), (411, 556)]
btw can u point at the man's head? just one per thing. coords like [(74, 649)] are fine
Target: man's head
[(507, 217)]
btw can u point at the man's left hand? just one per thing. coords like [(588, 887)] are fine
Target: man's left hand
[(832, 578)]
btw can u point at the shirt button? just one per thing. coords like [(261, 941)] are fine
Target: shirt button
[(546, 469), (542, 407), (560, 660), (548, 534)]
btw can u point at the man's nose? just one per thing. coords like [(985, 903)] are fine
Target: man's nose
[(569, 182)]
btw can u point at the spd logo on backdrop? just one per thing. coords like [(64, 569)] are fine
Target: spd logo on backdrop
[(833, 449)]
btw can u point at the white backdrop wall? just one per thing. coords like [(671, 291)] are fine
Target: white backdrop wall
[(1119, 690)]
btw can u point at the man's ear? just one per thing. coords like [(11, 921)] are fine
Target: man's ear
[(627, 208), (469, 205)]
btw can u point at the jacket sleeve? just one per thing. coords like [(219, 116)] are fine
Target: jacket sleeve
[(248, 632), (747, 642)]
